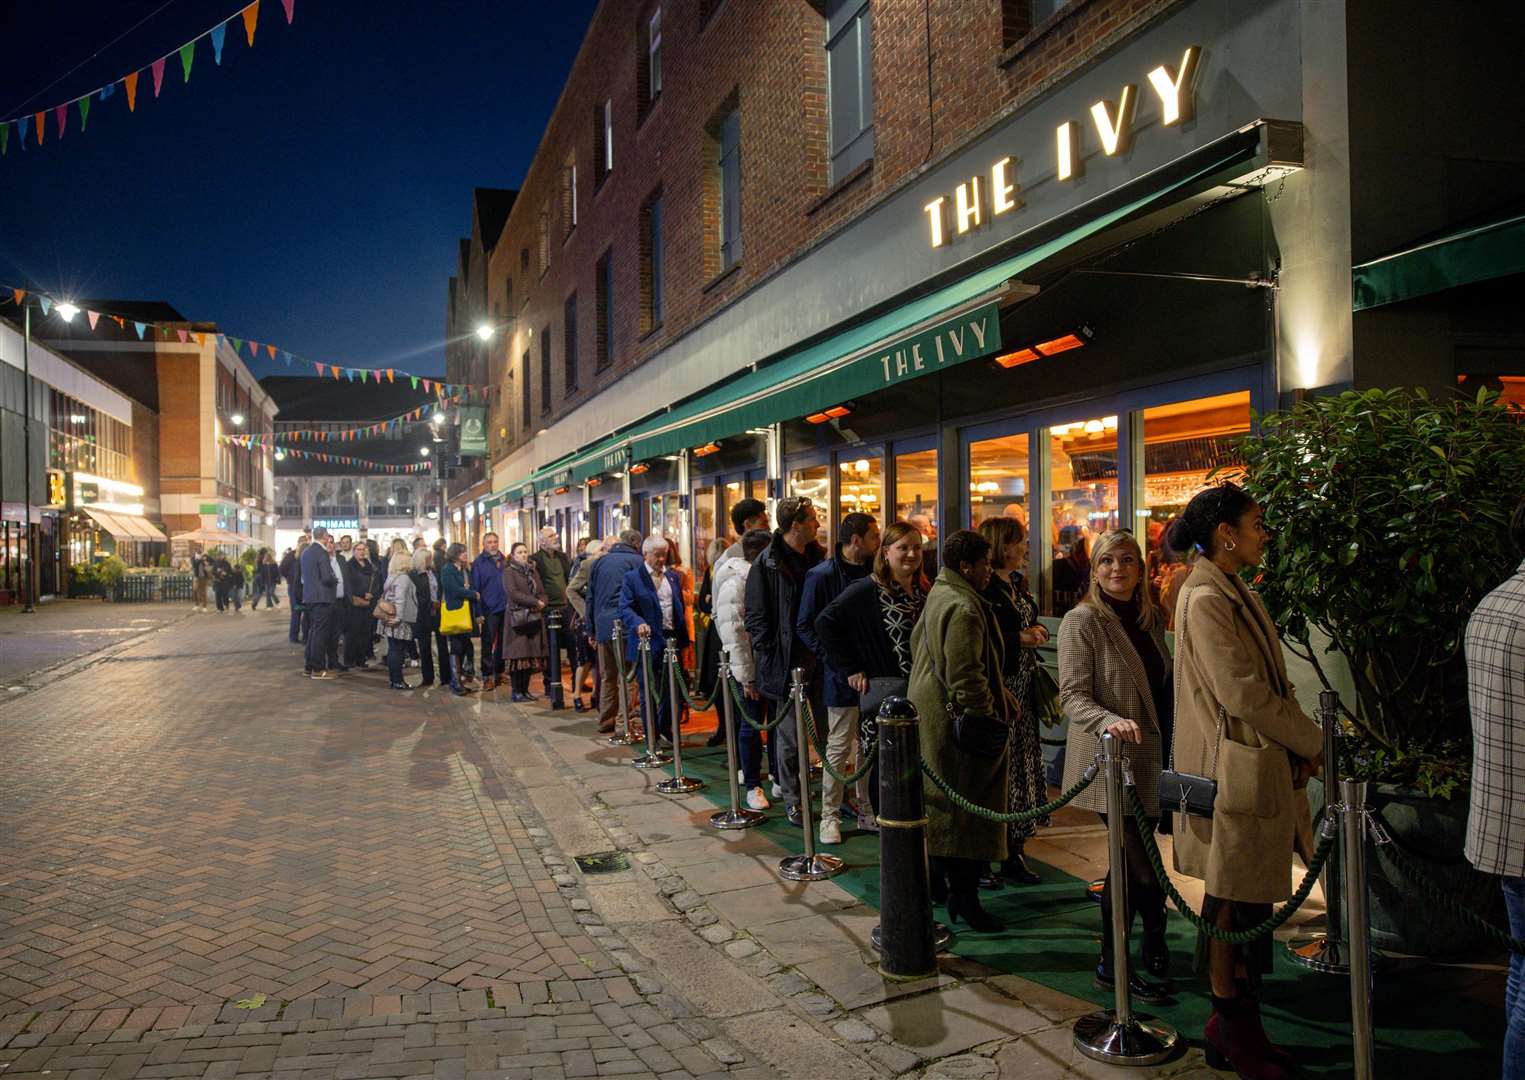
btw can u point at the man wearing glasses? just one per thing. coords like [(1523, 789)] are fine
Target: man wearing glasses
[(774, 586)]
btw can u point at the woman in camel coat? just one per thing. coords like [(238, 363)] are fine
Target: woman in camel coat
[(1237, 721)]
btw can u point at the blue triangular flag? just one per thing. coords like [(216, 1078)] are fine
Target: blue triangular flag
[(22, 124), (140, 328), (218, 33), (286, 356), (108, 90), (45, 302)]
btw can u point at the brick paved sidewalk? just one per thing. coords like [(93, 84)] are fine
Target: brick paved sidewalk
[(190, 823)]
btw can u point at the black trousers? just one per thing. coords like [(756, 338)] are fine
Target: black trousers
[(1143, 895), (357, 634), (320, 636), (492, 643), (421, 648)]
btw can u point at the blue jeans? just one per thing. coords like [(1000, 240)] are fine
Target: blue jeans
[(1514, 989), (749, 742)]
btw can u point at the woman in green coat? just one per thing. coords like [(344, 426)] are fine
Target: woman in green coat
[(965, 714)]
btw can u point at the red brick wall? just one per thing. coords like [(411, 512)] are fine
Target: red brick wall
[(987, 60)]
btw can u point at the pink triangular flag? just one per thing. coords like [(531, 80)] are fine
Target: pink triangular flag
[(92, 316), (182, 334), (290, 6), (61, 112), (158, 68)]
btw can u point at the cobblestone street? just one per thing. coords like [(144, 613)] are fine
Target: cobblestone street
[(214, 867)]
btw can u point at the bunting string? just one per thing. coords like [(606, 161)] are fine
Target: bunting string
[(250, 442), (371, 431), (37, 122), (146, 329)]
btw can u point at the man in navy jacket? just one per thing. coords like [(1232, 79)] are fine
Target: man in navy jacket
[(853, 559), (487, 580), (651, 609), (603, 595), (319, 585)]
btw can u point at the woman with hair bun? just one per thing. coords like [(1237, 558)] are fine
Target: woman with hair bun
[(1237, 722)]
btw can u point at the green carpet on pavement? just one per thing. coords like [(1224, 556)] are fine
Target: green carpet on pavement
[(1426, 1027)]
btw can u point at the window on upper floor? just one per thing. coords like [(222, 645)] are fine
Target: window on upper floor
[(545, 237), (652, 269), (524, 258), (524, 420), (849, 85), (603, 140), (604, 345), (569, 344), (568, 195), (508, 297), (730, 189), (649, 64), (1018, 17), (545, 371)]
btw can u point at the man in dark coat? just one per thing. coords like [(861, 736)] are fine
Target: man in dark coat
[(603, 596), (651, 608), (362, 588), (319, 586), (852, 560), (487, 579), (774, 587)]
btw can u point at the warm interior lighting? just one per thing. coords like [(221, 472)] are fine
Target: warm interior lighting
[(707, 449), (1013, 359), (639, 468), (1060, 344)]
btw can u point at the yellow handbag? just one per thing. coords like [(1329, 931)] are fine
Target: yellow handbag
[(455, 620)]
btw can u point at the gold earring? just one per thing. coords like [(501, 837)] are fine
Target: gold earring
[(1229, 545)]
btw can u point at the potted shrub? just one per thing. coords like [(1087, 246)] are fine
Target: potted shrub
[(108, 572), (1390, 514)]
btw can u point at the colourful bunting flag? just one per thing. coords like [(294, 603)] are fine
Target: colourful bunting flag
[(121, 322), (251, 16), (187, 56), (290, 6), (140, 328), (238, 344), (92, 316), (61, 119), (271, 350), (219, 34), (18, 295), (109, 90), (320, 369), (5, 137), (286, 357), (131, 83), (157, 67), (42, 122), (84, 113), (254, 350), (414, 380), (23, 124), (46, 303), (183, 335), (391, 376)]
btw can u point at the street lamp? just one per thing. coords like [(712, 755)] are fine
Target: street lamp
[(66, 311), (423, 451), (485, 331), (237, 419)]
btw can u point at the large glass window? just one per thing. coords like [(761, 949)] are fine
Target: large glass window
[(704, 528), (814, 483), (916, 485), (1083, 500), (999, 480), (1182, 443), (861, 483)]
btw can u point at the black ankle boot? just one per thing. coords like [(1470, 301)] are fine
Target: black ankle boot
[(1015, 869), (966, 906)]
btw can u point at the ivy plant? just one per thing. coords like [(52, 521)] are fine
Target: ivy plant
[(1389, 512)]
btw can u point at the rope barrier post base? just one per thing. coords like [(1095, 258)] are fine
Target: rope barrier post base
[(553, 661), (653, 758), (621, 736), (1326, 951), (1357, 913), (1117, 1036), (677, 783), (906, 937), (736, 816), (809, 866)]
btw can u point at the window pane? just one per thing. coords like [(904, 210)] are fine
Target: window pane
[(731, 493), (704, 530), (1083, 468), (862, 484), (916, 485), (842, 70), (656, 262), (814, 483), (999, 479), (1183, 442)]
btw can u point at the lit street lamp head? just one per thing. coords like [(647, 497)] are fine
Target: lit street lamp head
[(237, 419), (485, 331), (423, 451), (66, 311)]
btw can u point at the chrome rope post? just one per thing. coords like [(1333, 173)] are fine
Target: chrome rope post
[(1117, 1036), (809, 866), (677, 783), (652, 758), (737, 817), (621, 736), (1327, 951), (1353, 805)]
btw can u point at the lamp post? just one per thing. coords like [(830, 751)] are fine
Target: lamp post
[(26, 458)]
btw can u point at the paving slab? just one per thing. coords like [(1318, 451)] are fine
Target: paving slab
[(951, 1021)]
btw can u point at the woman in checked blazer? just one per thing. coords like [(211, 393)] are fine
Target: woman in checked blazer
[(1115, 675)]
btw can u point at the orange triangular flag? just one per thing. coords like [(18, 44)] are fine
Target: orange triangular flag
[(120, 321), (18, 294), (251, 16), (200, 338), (131, 82), (271, 350), (40, 119), (391, 376), (336, 373)]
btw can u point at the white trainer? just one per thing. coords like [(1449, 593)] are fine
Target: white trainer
[(831, 831), (756, 800)]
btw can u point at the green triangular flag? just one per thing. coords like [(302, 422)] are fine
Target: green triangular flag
[(187, 54), (5, 137), (84, 111), (414, 379), (238, 343)]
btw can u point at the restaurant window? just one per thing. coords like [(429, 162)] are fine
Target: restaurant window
[(704, 529), (1183, 444), (860, 482), (849, 85), (1000, 480), (651, 264), (1082, 501), (545, 371), (916, 485), (569, 344), (603, 347), (814, 483)]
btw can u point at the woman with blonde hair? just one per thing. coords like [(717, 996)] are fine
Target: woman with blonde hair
[(1114, 676)]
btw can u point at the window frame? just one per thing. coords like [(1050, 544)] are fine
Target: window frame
[(850, 17), (545, 370), (654, 55), (730, 193), (569, 358), (604, 311)]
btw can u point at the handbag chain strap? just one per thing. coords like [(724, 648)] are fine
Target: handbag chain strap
[(1222, 709)]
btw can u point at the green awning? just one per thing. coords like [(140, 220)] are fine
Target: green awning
[(1476, 254), (862, 359), (615, 459)]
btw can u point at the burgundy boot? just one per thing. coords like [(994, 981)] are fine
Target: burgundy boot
[(1234, 1040), (1250, 1004)]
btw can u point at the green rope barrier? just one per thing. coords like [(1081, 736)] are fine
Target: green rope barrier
[(741, 710), (695, 704), (1427, 885), (869, 756), (1232, 937), (657, 694), (1008, 817)]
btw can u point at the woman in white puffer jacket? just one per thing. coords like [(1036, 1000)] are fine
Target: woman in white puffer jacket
[(730, 590)]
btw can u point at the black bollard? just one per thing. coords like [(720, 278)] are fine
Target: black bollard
[(553, 668), (906, 940)]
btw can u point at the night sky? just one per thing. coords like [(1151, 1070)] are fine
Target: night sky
[(309, 192)]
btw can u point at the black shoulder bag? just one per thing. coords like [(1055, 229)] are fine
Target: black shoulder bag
[(1187, 792), (982, 736)]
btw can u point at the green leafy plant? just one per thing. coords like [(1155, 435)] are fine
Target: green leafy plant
[(109, 570), (1390, 519)]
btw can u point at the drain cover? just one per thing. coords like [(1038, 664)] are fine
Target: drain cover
[(602, 862)]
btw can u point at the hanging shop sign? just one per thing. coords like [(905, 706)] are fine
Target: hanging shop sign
[(473, 430), (978, 200)]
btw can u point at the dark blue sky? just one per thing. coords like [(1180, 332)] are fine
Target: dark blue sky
[(309, 192)]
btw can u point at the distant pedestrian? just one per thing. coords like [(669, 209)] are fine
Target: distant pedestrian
[(426, 630), (581, 628), (454, 591), (651, 609), (363, 589), (319, 589), (730, 624), (291, 570), (487, 580), (223, 577), (201, 580), (396, 613), (525, 650), (555, 570), (605, 576), (266, 576)]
